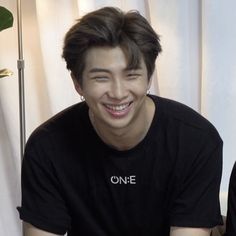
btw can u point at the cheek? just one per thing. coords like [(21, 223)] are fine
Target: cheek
[(93, 92), (140, 88)]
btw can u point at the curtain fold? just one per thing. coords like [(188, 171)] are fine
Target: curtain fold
[(218, 90), (197, 67)]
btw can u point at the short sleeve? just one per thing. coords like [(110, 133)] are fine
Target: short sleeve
[(42, 199), (231, 213), (196, 203)]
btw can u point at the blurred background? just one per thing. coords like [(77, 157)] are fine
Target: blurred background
[(197, 67)]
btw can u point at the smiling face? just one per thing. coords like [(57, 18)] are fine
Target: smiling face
[(115, 95)]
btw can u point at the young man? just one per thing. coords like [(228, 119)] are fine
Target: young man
[(122, 162), (231, 213)]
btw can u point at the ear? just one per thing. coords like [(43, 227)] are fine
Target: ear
[(77, 85)]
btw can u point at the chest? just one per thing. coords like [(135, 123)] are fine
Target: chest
[(122, 193), (130, 186)]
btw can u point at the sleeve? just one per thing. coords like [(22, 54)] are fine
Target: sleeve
[(231, 213), (196, 199), (42, 199)]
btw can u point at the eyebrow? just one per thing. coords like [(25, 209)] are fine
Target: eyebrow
[(95, 70), (135, 68)]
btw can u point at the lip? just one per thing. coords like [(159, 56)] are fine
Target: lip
[(118, 110)]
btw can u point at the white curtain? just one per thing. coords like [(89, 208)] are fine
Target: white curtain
[(197, 67)]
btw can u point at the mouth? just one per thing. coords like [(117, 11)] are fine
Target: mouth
[(118, 110)]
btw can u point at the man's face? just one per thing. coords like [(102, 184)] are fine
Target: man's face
[(115, 96)]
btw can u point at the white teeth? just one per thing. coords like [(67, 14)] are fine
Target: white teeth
[(117, 107)]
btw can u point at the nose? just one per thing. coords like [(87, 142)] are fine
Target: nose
[(118, 89)]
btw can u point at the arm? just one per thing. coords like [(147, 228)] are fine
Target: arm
[(231, 212), (30, 230), (196, 208), (42, 203), (181, 231)]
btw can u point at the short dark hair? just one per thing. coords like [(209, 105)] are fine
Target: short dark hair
[(112, 27)]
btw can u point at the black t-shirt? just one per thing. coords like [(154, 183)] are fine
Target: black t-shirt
[(231, 212), (73, 182)]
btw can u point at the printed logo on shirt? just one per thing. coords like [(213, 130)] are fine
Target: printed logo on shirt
[(123, 179)]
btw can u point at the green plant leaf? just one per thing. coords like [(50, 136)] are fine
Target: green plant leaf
[(6, 18), (5, 72)]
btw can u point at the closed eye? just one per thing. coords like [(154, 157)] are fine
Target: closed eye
[(133, 76), (100, 78)]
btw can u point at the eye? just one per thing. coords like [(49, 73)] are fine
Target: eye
[(133, 76), (101, 78)]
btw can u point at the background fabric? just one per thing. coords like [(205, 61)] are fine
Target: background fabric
[(197, 67)]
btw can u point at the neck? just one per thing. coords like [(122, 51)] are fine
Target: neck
[(128, 137)]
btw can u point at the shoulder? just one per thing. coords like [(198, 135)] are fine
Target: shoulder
[(233, 178), (180, 112), (65, 122), (182, 117)]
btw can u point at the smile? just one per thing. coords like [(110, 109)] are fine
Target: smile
[(118, 111), (117, 108)]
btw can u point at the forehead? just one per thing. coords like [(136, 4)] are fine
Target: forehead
[(112, 58)]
